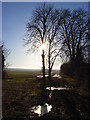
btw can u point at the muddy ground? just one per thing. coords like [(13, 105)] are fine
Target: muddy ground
[(67, 105)]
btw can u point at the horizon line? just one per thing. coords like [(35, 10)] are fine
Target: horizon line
[(27, 68)]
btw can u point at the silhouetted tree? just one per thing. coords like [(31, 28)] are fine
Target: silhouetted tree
[(45, 29), (75, 32), (53, 40), (37, 33)]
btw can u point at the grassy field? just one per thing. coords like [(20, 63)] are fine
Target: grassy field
[(22, 91)]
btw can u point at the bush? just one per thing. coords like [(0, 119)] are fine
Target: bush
[(67, 69), (78, 72)]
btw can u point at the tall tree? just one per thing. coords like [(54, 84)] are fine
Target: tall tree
[(37, 33), (75, 30), (53, 40), (45, 29)]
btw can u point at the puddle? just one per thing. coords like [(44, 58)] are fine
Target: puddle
[(40, 76), (57, 88), (41, 110), (57, 76), (46, 108)]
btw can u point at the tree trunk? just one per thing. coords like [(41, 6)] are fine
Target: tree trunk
[(43, 93), (50, 79), (49, 72), (49, 67), (43, 63)]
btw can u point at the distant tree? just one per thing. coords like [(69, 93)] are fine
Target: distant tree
[(75, 32)]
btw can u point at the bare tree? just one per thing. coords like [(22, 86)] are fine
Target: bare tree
[(75, 31), (45, 29), (37, 33), (53, 40)]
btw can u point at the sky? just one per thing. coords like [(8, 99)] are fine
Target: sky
[(15, 16)]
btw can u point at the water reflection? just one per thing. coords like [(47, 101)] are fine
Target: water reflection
[(57, 88), (41, 110), (50, 95), (40, 76), (57, 76)]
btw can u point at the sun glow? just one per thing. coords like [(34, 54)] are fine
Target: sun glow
[(43, 47)]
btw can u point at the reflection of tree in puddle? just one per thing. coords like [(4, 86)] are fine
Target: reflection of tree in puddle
[(41, 110), (56, 88)]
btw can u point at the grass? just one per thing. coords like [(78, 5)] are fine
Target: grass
[(19, 93)]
